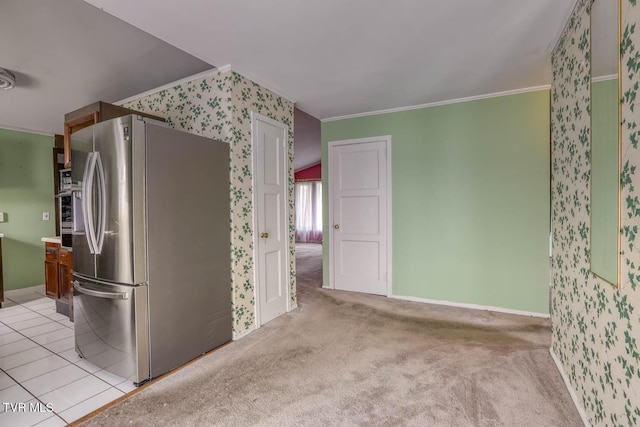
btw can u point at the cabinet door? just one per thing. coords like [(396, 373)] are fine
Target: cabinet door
[(51, 279), (64, 272), (51, 269)]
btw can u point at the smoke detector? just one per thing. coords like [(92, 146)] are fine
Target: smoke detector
[(7, 79)]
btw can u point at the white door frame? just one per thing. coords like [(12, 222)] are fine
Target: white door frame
[(331, 180), (254, 117)]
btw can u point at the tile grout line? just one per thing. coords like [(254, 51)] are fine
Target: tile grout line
[(110, 386), (50, 351), (25, 389)]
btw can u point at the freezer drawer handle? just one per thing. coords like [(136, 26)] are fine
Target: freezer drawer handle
[(111, 295)]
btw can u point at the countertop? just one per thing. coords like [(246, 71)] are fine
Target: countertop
[(56, 239)]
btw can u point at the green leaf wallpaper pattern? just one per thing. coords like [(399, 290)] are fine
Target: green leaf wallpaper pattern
[(219, 106), (595, 326)]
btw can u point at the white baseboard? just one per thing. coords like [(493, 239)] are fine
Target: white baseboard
[(473, 306), (567, 383), (237, 336)]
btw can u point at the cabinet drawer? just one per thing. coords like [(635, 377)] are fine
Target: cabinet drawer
[(65, 256), (51, 252)]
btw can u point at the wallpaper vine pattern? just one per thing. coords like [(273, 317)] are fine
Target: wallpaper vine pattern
[(219, 106), (595, 326)]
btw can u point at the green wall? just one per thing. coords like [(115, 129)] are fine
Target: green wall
[(26, 191), (470, 184), (604, 180)]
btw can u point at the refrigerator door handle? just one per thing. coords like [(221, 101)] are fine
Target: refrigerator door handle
[(102, 205), (99, 294), (87, 201)]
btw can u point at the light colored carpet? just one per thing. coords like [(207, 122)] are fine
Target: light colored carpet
[(352, 359)]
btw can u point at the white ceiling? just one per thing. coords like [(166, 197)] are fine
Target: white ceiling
[(333, 57), (337, 57), (67, 54)]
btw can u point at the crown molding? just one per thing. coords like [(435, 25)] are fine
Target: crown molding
[(206, 73), (262, 83), (19, 129), (439, 103), (187, 79)]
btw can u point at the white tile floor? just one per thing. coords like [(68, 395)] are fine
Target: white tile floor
[(43, 382)]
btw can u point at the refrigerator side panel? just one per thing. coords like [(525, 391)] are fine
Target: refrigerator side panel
[(81, 146), (189, 251)]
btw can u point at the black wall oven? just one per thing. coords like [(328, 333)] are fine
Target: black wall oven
[(70, 215)]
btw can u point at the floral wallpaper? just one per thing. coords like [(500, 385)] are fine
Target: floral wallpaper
[(596, 327), (219, 106)]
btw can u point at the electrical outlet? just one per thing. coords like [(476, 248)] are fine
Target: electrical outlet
[(45, 216), (2, 217)]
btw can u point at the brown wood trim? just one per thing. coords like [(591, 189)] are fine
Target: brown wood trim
[(74, 125), (58, 141), (83, 120), (67, 146)]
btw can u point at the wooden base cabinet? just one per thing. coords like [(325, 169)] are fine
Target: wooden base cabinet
[(52, 286), (58, 268)]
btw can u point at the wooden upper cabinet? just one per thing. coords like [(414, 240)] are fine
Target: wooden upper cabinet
[(91, 114)]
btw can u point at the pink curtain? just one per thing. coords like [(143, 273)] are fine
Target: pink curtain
[(309, 211)]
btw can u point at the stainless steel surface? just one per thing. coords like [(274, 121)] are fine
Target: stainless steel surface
[(81, 147), (188, 243), (139, 201), (145, 227), (102, 204), (110, 332), (101, 294), (88, 202), (115, 259), (78, 220)]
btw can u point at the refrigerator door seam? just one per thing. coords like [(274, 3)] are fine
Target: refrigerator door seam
[(102, 200), (87, 196)]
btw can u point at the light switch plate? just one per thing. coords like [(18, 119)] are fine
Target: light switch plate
[(45, 216), (2, 217)]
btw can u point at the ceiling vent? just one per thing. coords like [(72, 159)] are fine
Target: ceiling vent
[(7, 79)]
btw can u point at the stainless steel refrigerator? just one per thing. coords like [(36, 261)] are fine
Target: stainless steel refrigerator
[(151, 252)]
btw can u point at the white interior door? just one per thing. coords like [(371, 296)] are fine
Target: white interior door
[(359, 186), (271, 239)]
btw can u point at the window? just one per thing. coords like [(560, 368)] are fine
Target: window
[(309, 211)]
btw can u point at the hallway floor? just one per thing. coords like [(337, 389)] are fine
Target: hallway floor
[(39, 366), (345, 358)]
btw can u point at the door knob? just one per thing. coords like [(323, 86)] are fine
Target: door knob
[(337, 226), (264, 235)]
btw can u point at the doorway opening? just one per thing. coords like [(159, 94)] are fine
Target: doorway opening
[(308, 198)]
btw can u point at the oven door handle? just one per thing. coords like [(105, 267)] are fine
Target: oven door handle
[(100, 294)]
